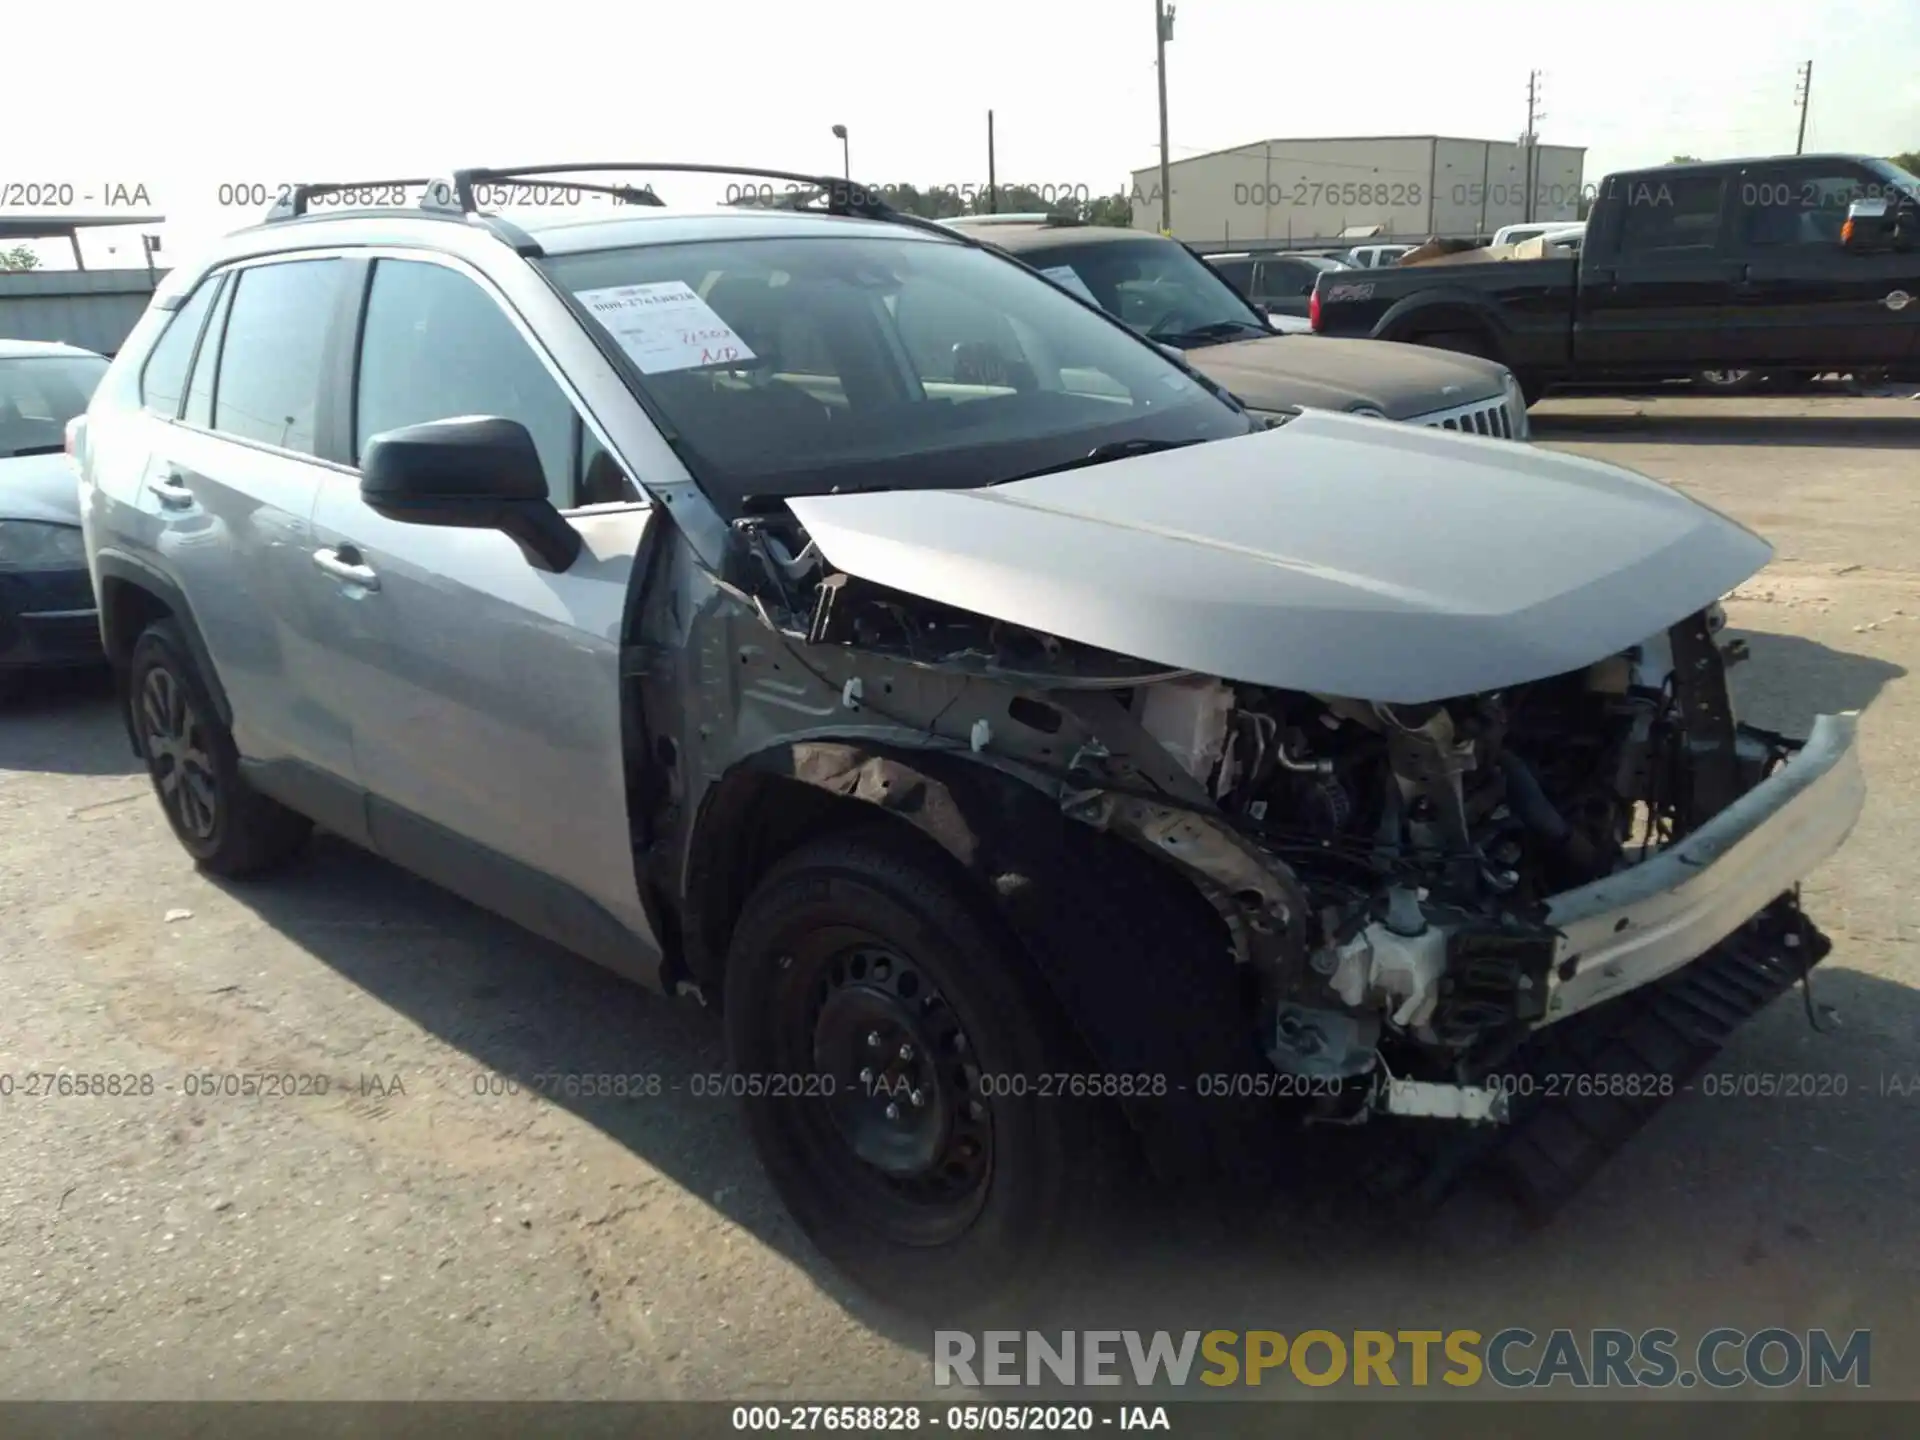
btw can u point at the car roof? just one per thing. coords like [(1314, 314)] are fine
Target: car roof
[(26, 349)]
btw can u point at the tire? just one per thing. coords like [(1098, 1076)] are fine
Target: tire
[(228, 827), (1728, 382), (860, 958)]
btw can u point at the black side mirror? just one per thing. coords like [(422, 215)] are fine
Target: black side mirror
[(1906, 223), (474, 473)]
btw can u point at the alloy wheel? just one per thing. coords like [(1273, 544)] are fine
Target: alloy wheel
[(176, 744)]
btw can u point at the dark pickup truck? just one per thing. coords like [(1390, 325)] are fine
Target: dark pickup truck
[(1790, 266)]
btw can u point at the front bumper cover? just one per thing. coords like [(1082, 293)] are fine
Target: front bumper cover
[(48, 618), (1632, 928)]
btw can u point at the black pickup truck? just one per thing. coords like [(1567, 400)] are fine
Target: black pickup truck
[(1790, 266)]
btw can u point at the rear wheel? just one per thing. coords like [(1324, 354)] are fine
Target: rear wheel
[(224, 823), (902, 1065), (1729, 382)]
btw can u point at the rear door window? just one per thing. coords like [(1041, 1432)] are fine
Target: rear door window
[(1678, 213), (273, 353), (164, 377)]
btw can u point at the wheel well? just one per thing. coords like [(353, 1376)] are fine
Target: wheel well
[(1137, 959), (752, 821), (1423, 328), (126, 610)]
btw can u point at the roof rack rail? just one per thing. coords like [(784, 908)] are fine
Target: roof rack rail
[(453, 195), (294, 203), (844, 197)]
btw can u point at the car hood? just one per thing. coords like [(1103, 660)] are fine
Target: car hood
[(40, 487), (1336, 555), (1400, 381)]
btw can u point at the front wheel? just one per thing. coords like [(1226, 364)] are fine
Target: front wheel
[(908, 1079)]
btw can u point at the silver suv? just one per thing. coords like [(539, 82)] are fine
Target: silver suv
[(1044, 763)]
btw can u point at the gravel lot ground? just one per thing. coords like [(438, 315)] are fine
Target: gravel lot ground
[(410, 1234)]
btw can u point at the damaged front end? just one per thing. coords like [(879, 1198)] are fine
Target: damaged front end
[(1419, 893)]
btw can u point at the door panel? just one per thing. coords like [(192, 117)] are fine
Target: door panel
[(1660, 303), (232, 525), (230, 492), (1804, 300), (485, 694)]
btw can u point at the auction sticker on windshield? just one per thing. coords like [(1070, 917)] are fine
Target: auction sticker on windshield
[(665, 326), (1069, 277)]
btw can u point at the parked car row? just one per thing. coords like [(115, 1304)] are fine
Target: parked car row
[(931, 652), (47, 614), (1727, 272), (1161, 289)]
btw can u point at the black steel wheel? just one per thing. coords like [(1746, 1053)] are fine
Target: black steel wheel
[(221, 820), (895, 1045)]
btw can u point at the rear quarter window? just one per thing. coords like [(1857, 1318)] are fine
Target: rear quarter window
[(163, 379)]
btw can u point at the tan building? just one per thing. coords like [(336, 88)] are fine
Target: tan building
[(1402, 187)]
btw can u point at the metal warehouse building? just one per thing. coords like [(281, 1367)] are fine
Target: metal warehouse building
[(1404, 187)]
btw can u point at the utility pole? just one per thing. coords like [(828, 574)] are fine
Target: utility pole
[(1530, 141), (1800, 98), (1162, 33), (993, 185)]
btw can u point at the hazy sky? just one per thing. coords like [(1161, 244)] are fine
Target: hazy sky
[(186, 97)]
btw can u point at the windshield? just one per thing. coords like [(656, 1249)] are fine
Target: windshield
[(801, 365), (39, 394), (1158, 287)]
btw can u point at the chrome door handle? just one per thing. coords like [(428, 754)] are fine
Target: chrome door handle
[(329, 562)]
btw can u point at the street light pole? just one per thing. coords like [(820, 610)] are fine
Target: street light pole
[(1163, 32), (846, 164)]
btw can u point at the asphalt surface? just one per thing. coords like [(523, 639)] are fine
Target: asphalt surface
[(443, 1223)]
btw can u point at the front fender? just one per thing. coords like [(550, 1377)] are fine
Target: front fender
[(1138, 960)]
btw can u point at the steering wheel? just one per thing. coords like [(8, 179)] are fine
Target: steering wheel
[(1176, 319)]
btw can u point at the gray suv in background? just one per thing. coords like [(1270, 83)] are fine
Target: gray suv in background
[(1045, 764), (1170, 295)]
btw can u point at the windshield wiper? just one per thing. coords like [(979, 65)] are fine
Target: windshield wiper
[(1101, 454), (26, 450), (1218, 330)]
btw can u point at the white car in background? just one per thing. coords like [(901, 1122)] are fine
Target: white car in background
[(1560, 232), (1372, 257)]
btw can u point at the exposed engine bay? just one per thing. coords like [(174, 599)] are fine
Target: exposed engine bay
[(1384, 871)]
